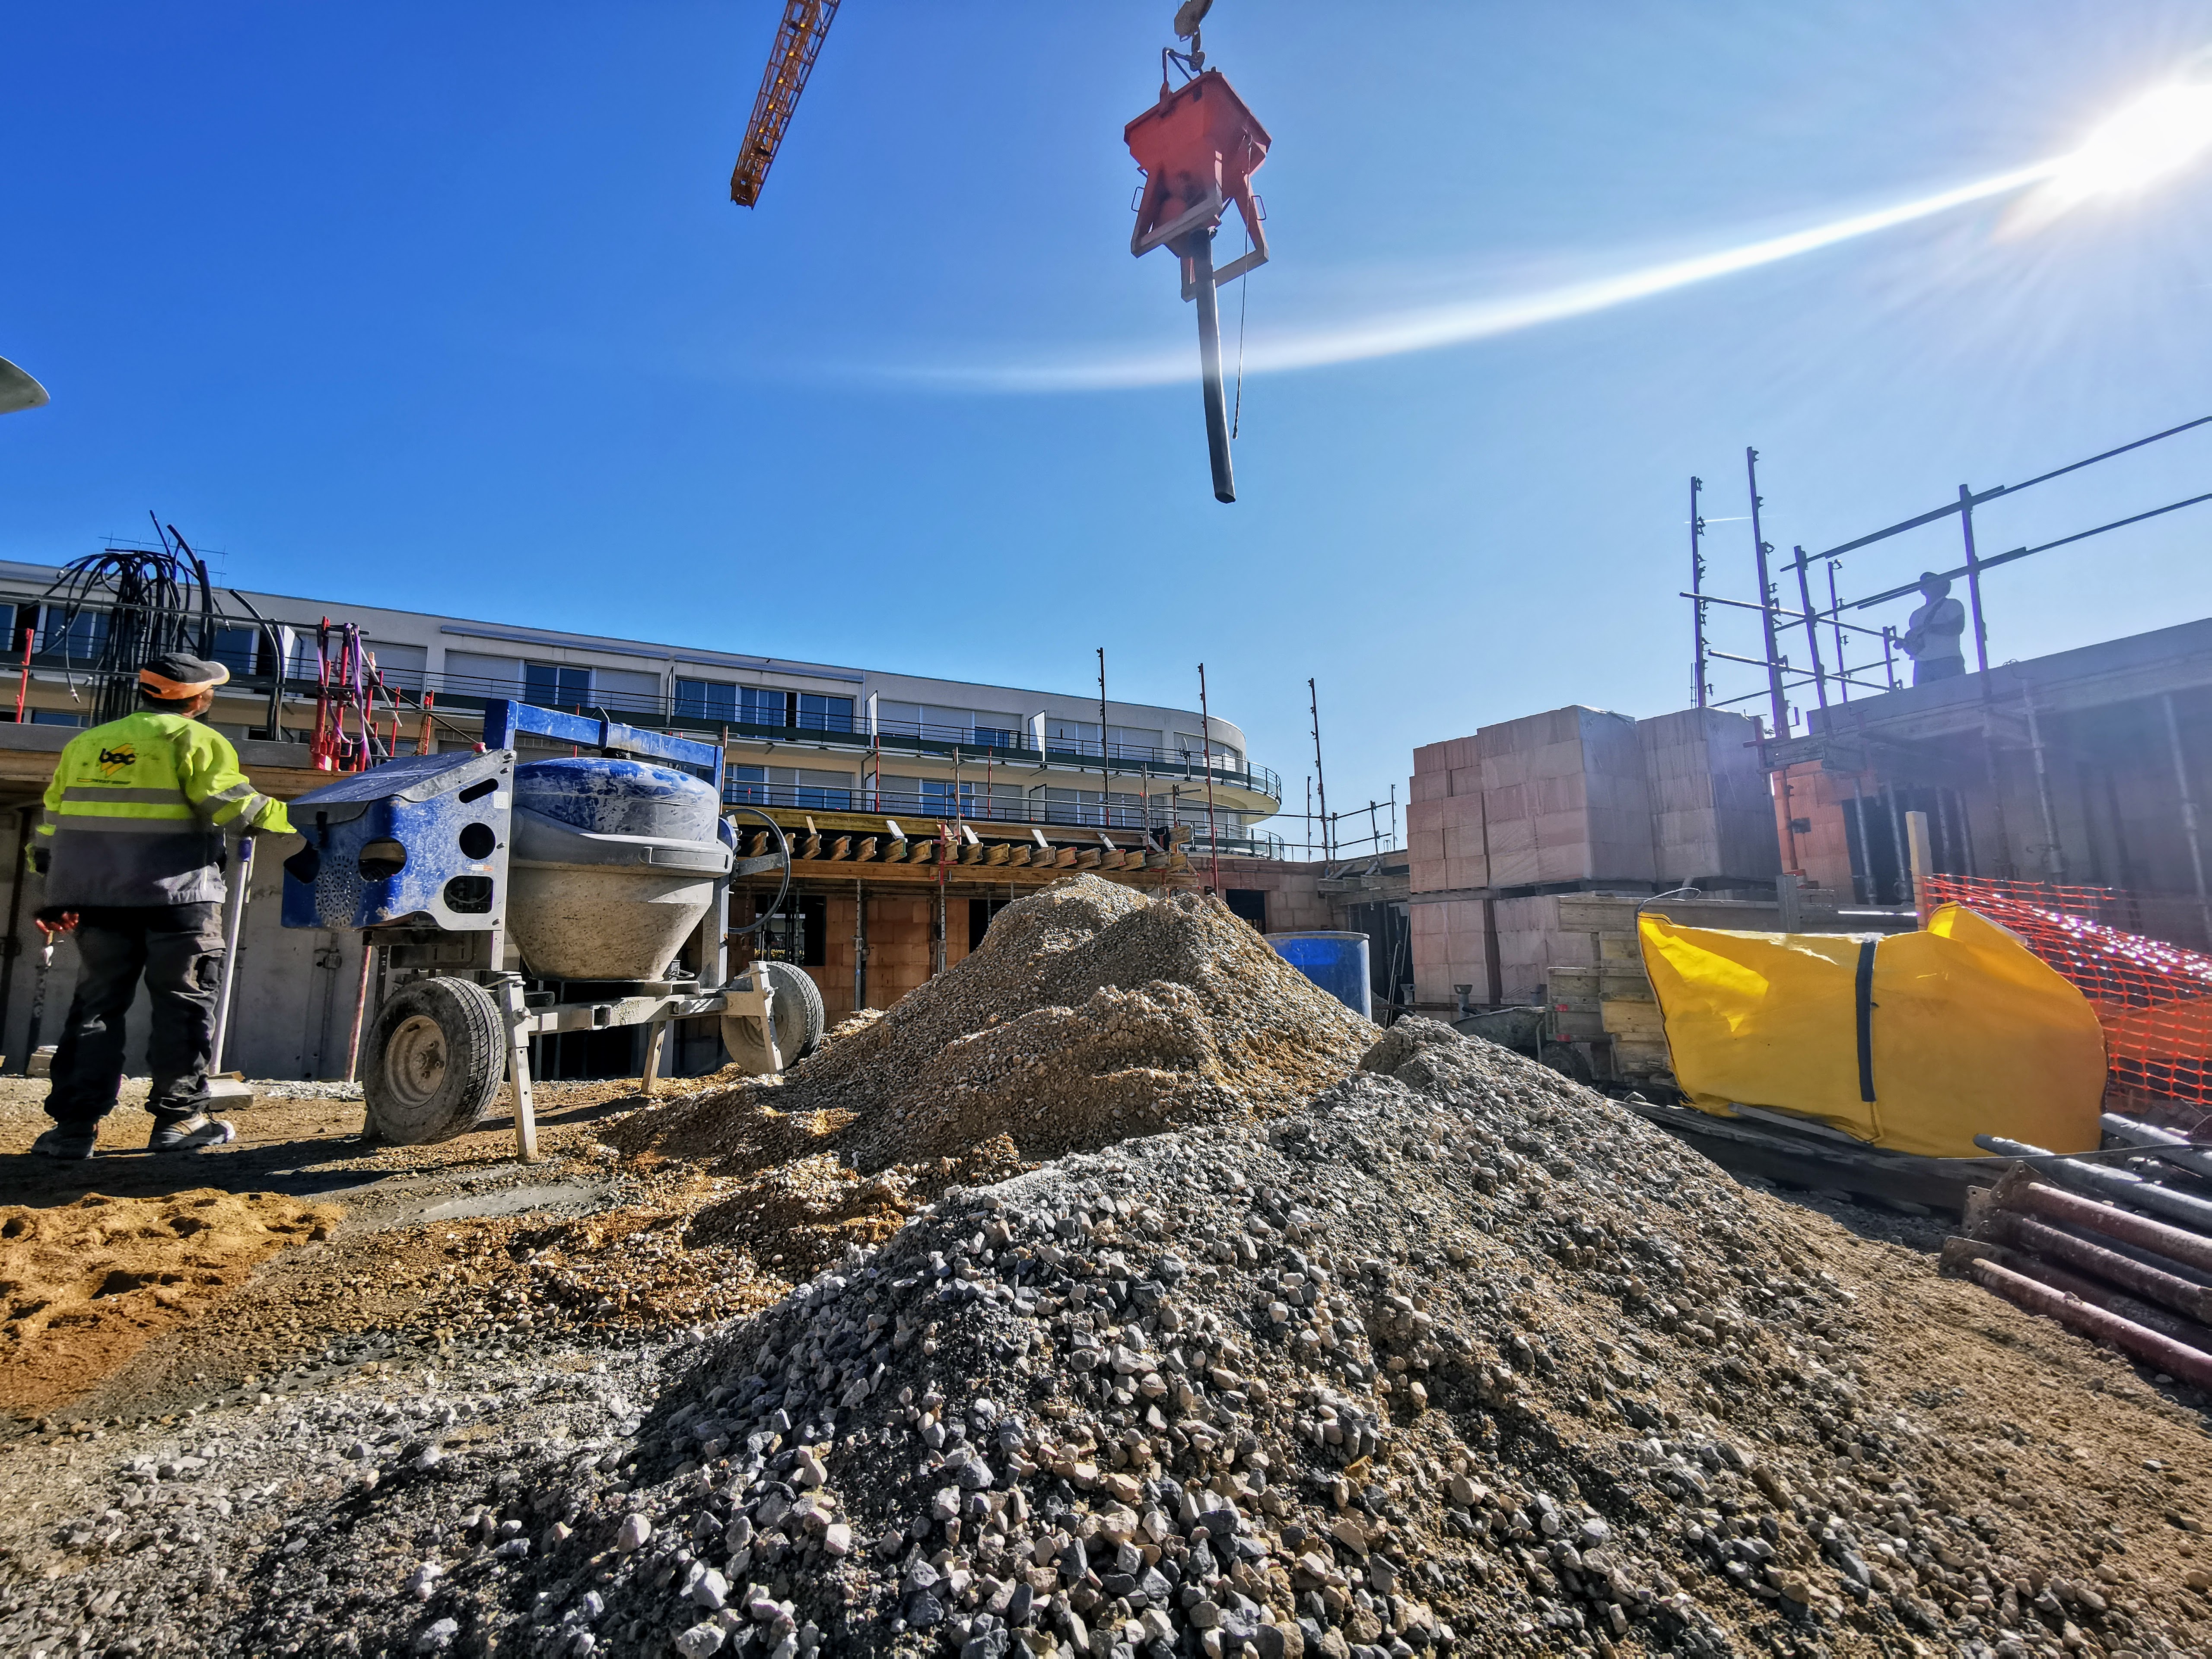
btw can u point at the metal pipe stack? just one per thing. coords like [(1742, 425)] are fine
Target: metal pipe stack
[(2121, 1256)]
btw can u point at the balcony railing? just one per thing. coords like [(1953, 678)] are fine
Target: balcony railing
[(470, 692), (930, 806)]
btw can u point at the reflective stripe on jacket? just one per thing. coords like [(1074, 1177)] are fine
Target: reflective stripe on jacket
[(136, 810)]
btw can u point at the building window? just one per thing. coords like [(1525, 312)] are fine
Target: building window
[(820, 714), (234, 648), (799, 932), (556, 685), (1092, 807), (761, 706), (80, 638), (706, 700), (742, 705), (999, 732), (1071, 737), (980, 912), (793, 786), (1249, 903)]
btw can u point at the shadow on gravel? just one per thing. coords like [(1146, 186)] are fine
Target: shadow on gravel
[(297, 1169), (305, 1167)]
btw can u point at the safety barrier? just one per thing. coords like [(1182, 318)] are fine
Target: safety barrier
[(2153, 996)]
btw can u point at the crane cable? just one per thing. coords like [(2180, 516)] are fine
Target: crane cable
[(1243, 288)]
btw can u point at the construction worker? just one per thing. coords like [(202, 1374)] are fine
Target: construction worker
[(131, 849), (1933, 632)]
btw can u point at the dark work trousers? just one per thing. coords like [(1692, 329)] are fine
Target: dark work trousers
[(178, 949), (1928, 669)]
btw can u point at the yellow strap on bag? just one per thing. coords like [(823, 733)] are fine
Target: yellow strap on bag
[(1918, 1041)]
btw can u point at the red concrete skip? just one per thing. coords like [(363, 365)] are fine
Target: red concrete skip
[(1198, 139)]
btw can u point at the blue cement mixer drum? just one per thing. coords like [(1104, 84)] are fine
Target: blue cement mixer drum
[(599, 869), (614, 862), (1335, 962)]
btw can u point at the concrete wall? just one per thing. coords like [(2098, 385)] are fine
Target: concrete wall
[(1295, 901)]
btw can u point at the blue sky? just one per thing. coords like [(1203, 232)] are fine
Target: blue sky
[(446, 308)]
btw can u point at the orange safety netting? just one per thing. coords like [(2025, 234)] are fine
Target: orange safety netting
[(2152, 998)]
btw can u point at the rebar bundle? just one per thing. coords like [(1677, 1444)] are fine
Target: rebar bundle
[(153, 601)]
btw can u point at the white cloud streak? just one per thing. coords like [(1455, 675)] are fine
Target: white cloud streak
[(1394, 334)]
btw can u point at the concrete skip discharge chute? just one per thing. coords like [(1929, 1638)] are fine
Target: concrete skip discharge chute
[(1918, 1042)]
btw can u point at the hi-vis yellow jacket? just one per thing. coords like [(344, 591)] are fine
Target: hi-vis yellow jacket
[(136, 810)]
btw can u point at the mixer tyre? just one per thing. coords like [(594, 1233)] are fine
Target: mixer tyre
[(433, 1062), (799, 1016)]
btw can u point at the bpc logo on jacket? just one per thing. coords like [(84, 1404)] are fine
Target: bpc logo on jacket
[(112, 761)]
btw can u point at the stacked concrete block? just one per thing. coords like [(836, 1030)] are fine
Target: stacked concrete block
[(1712, 811), (1574, 796), (1450, 949), (1564, 799), (1445, 823)]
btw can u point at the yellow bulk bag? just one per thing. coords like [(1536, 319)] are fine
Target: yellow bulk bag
[(1918, 1042)]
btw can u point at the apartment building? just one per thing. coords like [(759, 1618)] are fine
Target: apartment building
[(843, 759)]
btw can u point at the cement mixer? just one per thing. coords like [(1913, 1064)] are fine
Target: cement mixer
[(510, 899)]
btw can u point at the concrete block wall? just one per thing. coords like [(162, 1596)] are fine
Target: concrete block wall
[(1449, 948), (1445, 822), (899, 950), (1572, 795), (1713, 808), (1564, 799), (1295, 901)]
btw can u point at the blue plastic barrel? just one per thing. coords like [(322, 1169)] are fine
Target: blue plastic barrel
[(1335, 962)]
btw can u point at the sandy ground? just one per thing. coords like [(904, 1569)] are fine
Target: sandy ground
[(138, 1285)]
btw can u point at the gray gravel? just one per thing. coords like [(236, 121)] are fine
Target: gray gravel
[(1461, 1359)]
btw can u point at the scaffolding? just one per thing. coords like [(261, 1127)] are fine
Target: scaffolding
[(1781, 674)]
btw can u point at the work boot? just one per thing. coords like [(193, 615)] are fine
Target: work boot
[(66, 1141), (191, 1134)]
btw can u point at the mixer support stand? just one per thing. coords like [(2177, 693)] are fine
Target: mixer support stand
[(517, 1022), (650, 1081)]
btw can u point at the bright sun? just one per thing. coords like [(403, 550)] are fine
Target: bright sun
[(2161, 132)]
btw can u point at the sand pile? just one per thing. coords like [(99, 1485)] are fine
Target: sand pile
[(1462, 1358), (85, 1285), (1089, 1013)]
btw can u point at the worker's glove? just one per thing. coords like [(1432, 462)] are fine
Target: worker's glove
[(41, 857)]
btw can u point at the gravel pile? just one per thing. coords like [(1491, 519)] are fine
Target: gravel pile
[(1089, 1013), (1460, 1359)]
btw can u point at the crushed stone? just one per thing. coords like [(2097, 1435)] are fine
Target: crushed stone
[(1460, 1359), (1440, 1354), (1089, 1013)]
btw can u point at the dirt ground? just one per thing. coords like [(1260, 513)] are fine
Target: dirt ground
[(395, 1250)]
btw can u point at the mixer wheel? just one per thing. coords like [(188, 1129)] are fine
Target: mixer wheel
[(799, 1016), (799, 1022), (433, 1061)]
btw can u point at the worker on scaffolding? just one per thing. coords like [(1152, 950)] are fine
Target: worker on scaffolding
[(1933, 633), (131, 849)]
